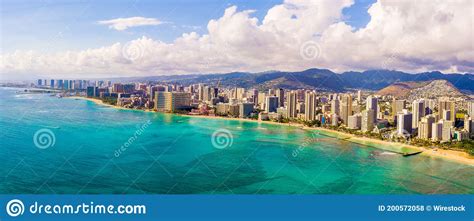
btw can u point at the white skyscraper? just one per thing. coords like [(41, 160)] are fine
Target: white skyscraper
[(310, 102), (418, 109), (372, 105), (291, 101), (404, 121)]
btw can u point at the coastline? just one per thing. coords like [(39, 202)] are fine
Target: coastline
[(453, 155)]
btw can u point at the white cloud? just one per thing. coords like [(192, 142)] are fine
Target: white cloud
[(404, 35), (121, 24)]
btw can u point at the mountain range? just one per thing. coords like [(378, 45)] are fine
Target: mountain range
[(320, 79), (424, 89)]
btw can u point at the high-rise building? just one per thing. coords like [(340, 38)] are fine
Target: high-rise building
[(66, 85), (359, 96), (437, 131), (346, 108), (367, 121), (245, 109), (404, 121), (418, 110), (334, 120), (468, 124), (397, 106), (280, 93), (430, 106), (291, 100), (209, 93), (470, 108), (354, 121), (151, 92), (117, 88), (51, 84), (171, 101), (128, 88), (446, 115), (271, 104), (425, 127), (310, 102), (371, 104), (261, 100), (201, 92), (92, 91), (447, 130), (335, 109), (60, 84), (239, 93), (39, 82), (447, 105)]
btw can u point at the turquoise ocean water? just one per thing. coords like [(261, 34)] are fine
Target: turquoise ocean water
[(175, 154)]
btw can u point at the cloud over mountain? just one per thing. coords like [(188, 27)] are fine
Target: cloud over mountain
[(295, 35)]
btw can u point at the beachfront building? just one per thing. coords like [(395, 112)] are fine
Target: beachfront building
[(468, 124), (271, 104), (292, 100), (470, 108), (437, 131), (367, 121), (335, 106), (447, 130), (346, 108), (280, 93), (261, 99), (334, 120), (310, 102), (354, 121), (371, 104), (418, 110), (245, 109), (425, 127), (404, 123), (171, 101)]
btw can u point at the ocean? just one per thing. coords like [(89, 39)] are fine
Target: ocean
[(67, 146)]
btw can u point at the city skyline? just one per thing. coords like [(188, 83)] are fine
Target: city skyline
[(140, 44), (429, 119)]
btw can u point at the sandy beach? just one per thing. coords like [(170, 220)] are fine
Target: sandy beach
[(457, 156)]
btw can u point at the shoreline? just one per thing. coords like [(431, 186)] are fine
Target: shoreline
[(453, 155)]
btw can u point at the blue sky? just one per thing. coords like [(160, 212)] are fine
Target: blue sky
[(106, 38), (49, 26)]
